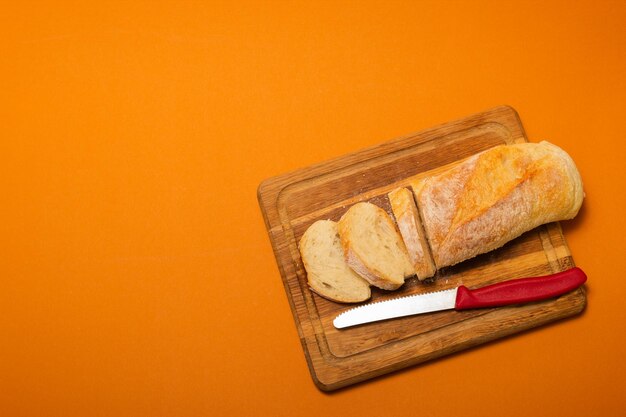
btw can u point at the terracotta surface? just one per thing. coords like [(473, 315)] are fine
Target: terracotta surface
[(137, 275)]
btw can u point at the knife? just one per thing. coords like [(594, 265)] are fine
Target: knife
[(516, 291)]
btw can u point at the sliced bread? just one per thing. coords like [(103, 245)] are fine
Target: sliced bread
[(410, 226), (328, 274), (373, 246)]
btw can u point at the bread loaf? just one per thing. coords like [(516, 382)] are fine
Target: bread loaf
[(410, 226), (472, 208), (373, 246), (328, 273), (495, 196)]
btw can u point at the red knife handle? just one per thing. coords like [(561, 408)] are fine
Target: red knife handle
[(521, 290)]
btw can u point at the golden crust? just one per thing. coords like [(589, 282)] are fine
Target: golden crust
[(495, 196)]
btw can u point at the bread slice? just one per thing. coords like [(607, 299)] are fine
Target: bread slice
[(410, 226), (495, 196), (328, 274), (373, 246)]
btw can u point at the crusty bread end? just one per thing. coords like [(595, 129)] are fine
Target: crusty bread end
[(495, 196)]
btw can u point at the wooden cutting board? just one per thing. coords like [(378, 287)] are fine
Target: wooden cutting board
[(337, 358)]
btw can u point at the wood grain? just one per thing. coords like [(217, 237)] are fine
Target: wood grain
[(337, 358)]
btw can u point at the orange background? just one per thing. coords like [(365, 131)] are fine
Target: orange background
[(137, 275)]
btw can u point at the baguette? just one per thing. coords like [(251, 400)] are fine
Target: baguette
[(495, 196), (373, 246), (410, 226), (328, 273)]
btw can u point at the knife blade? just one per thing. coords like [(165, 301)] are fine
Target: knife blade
[(515, 291)]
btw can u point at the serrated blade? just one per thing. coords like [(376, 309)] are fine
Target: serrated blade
[(397, 307)]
